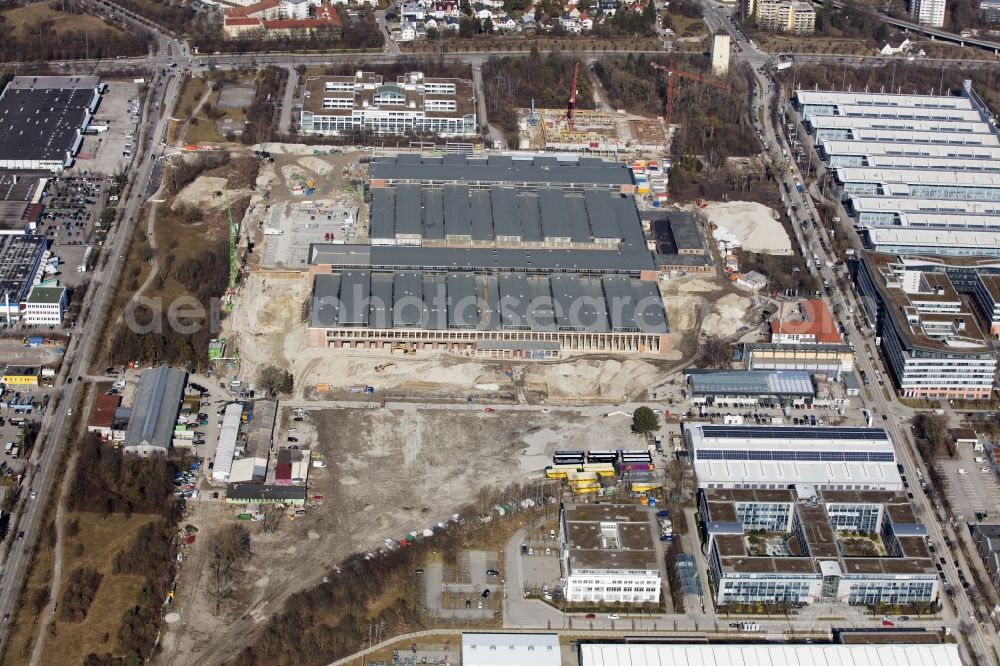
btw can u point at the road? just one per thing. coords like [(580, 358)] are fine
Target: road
[(815, 241), (56, 429)]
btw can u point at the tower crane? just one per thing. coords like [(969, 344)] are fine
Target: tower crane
[(671, 71), (571, 110)]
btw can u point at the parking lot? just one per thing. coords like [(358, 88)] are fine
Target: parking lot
[(102, 154), (466, 590), (969, 489)]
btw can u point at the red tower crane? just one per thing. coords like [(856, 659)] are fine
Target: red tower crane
[(671, 71), (571, 110)]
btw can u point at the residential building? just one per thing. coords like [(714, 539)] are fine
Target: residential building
[(45, 306), (989, 10), (987, 540), (802, 545), (608, 554), (154, 411), (280, 18), (782, 456), (609, 7), (894, 653), (930, 337), (486, 649), (927, 12), (816, 326), (21, 376), (364, 102), (888, 49), (793, 16)]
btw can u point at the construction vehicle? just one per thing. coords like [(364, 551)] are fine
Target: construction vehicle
[(382, 366), (671, 71)]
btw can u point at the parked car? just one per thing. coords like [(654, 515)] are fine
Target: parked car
[(589, 616)]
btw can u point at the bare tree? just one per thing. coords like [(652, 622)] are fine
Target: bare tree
[(228, 549)]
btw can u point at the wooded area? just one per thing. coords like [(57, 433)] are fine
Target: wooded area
[(111, 482), (262, 114), (40, 40), (81, 588), (511, 83)]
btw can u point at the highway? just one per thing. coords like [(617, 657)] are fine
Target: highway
[(56, 429)]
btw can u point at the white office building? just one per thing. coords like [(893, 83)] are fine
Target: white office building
[(783, 456), (45, 306), (917, 173), (934, 344), (804, 545), (608, 554), (332, 105)]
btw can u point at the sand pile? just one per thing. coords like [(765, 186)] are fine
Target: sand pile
[(750, 225), (727, 316)]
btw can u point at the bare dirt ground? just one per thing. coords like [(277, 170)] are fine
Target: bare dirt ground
[(389, 471), (272, 308)]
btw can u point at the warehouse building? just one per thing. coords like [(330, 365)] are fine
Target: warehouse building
[(154, 411), (20, 264), (748, 388), (829, 359), (479, 257), (804, 545), (785, 654), (608, 554), (918, 173), (255, 493), (333, 105), (782, 457), (229, 437), (928, 329), (522, 171), (42, 119), (497, 649)]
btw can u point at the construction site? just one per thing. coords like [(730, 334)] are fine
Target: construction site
[(602, 132)]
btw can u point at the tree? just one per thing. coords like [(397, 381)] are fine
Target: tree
[(228, 549), (644, 420), (715, 353), (274, 380)]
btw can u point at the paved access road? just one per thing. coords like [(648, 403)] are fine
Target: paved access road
[(55, 431)]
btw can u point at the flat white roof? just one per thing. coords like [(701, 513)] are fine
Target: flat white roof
[(907, 162), (916, 177), (780, 654), (908, 136), (882, 99), (784, 455), (972, 126), (846, 147), (226, 449), (933, 238), (917, 205), (484, 649)]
